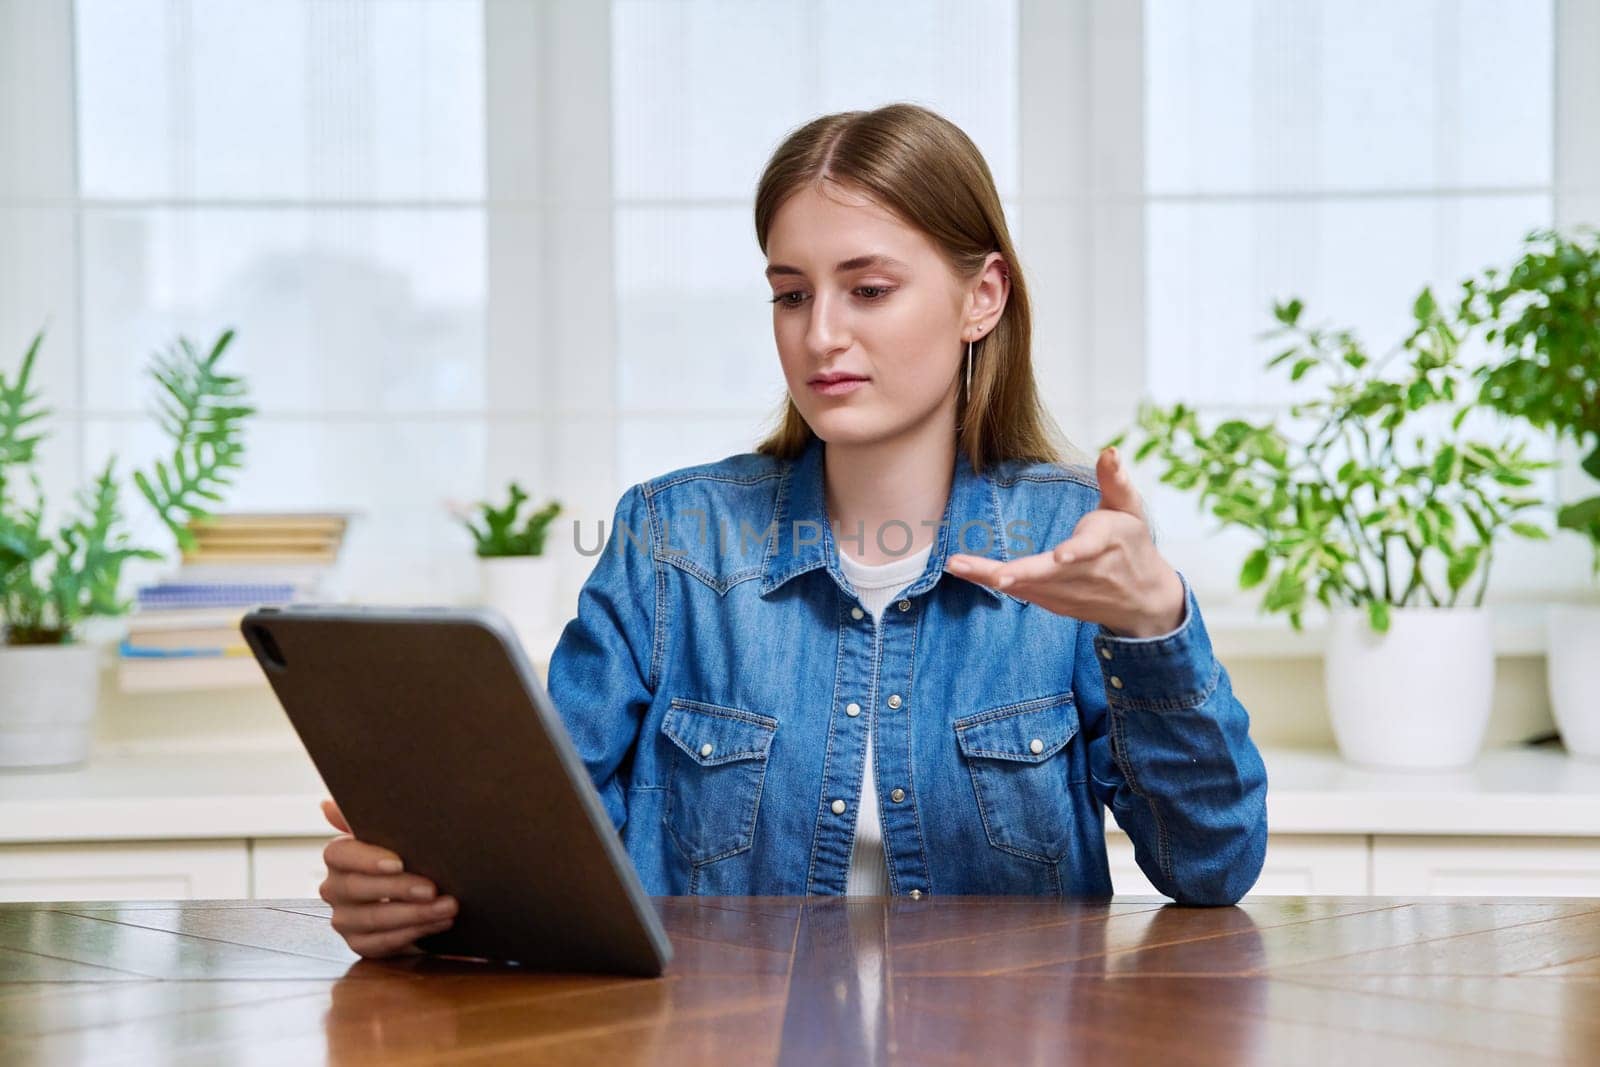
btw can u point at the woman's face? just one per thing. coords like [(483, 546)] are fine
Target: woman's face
[(863, 296)]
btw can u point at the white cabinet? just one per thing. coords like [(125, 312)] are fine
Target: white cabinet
[(1486, 866), (1397, 865), (244, 823), (1295, 865), (286, 867), (143, 870), (269, 868)]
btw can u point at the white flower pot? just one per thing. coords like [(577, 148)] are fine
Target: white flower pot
[(1572, 659), (48, 698), (523, 589), (1415, 698)]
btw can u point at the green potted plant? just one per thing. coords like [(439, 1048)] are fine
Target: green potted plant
[(1544, 317), (52, 583), (516, 577), (1379, 507)]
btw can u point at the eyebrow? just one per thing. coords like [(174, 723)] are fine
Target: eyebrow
[(843, 265)]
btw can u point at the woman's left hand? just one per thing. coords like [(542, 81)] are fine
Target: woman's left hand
[(1107, 572)]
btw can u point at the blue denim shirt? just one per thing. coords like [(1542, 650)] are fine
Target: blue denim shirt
[(720, 677)]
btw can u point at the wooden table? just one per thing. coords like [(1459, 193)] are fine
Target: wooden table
[(811, 981)]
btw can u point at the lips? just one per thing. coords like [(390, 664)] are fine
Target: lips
[(837, 385)]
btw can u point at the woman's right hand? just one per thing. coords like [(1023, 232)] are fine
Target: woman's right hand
[(378, 908)]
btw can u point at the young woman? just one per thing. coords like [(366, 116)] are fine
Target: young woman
[(904, 646)]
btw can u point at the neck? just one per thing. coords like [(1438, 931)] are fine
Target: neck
[(880, 485)]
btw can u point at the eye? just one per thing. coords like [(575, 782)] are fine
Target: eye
[(870, 293)]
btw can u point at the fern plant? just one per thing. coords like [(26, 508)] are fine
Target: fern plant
[(18, 408), (498, 534), (51, 583), (88, 552), (202, 411)]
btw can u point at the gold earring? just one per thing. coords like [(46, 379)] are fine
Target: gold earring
[(969, 370)]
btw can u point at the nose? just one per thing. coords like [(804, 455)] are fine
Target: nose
[(826, 330)]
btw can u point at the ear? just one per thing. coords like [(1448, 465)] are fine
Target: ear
[(986, 297)]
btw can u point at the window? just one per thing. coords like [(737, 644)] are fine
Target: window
[(312, 174), (703, 92), (470, 240), (1345, 153)]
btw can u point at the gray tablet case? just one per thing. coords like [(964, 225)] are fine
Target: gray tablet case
[(438, 741)]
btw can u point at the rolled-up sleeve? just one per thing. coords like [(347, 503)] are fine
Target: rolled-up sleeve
[(1170, 754), (604, 669)]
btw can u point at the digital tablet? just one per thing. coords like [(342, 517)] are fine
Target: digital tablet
[(438, 741)]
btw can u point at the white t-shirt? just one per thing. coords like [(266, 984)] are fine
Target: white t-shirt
[(877, 585)]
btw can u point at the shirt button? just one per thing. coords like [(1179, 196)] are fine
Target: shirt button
[(916, 894), (856, 613), (894, 700), (1036, 746), (1105, 653), (905, 605), (1116, 683), (852, 709), (706, 749), (838, 807), (897, 795)]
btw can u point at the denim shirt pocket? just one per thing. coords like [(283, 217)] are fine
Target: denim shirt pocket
[(1021, 776), (719, 761)]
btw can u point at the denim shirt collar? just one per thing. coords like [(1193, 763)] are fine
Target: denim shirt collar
[(800, 514)]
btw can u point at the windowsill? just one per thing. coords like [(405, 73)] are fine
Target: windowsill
[(1518, 791), (133, 793), (1238, 633)]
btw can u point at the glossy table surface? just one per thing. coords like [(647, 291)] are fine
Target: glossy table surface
[(822, 980)]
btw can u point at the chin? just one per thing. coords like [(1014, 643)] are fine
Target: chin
[(844, 427), (854, 427)]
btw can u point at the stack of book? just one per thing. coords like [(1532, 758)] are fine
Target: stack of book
[(184, 631)]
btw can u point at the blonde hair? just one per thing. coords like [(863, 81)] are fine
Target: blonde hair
[(923, 168)]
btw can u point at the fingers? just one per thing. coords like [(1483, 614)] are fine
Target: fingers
[(998, 575), (1098, 532), (1034, 568), (1116, 485), (379, 908), (359, 920), (391, 927), (335, 817), (346, 887), (348, 854), (1087, 542), (973, 568), (1082, 547), (394, 942)]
